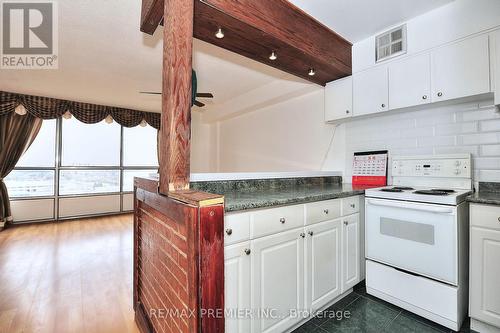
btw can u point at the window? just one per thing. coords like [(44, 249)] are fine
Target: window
[(128, 177), (89, 181), (30, 183), (90, 144), (42, 152), (139, 146), (87, 160)]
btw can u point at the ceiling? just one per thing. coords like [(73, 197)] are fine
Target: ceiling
[(356, 20), (105, 59)]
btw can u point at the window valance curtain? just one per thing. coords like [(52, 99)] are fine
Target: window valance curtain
[(51, 108)]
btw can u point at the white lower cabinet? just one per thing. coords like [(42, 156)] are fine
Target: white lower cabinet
[(237, 287), (323, 263), (305, 268), (277, 280), (484, 297), (350, 252)]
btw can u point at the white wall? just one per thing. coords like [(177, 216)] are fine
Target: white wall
[(203, 145), (465, 128), (292, 135), (289, 136), (456, 20)]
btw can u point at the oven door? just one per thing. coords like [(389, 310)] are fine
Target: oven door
[(416, 237)]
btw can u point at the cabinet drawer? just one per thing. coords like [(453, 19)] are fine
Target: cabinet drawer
[(274, 220), (350, 205), (236, 228), (322, 211), (486, 216)]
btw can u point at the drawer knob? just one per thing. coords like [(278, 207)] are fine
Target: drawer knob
[(282, 220), (353, 206), (229, 231), (303, 235), (311, 233), (326, 211), (440, 94), (346, 223), (247, 252)]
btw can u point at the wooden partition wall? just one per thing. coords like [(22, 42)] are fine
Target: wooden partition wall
[(178, 233)]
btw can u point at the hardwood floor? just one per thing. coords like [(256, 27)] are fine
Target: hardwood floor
[(73, 276)]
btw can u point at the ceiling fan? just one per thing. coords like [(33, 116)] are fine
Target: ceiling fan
[(195, 102), (196, 94)]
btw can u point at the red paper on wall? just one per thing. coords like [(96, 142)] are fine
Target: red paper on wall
[(370, 168)]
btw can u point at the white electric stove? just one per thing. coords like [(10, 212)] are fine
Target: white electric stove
[(417, 237)]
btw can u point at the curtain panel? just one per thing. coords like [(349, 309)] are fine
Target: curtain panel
[(52, 108), (16, 135)]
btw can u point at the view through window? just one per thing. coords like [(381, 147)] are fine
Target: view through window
[(69, 158)]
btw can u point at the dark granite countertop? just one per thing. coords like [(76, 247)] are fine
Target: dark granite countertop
[(488, 194), (239, 200)]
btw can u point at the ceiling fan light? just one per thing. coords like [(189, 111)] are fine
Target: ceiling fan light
[(67, 115), (312, 72), (143, 123), (219, 34), (20, 110), (273, 56), (109, 119)]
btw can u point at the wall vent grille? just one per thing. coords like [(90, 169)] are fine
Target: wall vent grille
[(390, 44)]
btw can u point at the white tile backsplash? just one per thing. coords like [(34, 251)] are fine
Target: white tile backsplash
[(472, 127)]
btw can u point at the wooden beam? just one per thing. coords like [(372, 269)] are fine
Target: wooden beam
[(151, 15), (175, 132), (254, 28)]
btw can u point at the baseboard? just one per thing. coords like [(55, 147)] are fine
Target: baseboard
[(482, 327), (142, 320)]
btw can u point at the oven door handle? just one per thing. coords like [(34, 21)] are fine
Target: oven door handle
[(399, 204)]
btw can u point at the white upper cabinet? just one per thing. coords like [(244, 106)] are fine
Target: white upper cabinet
[(410, 82), (495, 62), (370, 91), (461, 69), (338, 99)]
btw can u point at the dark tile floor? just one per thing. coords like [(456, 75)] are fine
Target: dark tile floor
[(370, 314)]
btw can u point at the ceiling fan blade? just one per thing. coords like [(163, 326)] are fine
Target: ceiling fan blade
[(149, 92), (199, 104), (205, 95)]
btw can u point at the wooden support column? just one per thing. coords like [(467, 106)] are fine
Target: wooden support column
[(175, 132)]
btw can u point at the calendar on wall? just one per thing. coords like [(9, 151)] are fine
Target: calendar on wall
[(370, 168)]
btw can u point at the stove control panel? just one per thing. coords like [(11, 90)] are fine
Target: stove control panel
[(432, 167)]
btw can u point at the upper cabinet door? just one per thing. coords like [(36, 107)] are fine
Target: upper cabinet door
[(410, 82), (495, 61), (461, 69), (338, 99), (371, 91)]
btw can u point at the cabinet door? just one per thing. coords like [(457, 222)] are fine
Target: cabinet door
[(410, 82), (495, 59), (338, 99), (237, 286), (350, 252), (484, 272), (461, 69), (322, 258), (277, 281), (370, 91)]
